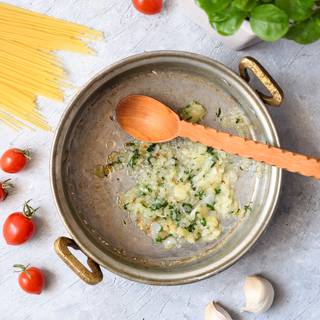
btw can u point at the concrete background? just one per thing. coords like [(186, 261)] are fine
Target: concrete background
[(288, 253)]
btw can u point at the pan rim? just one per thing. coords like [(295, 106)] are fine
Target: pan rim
[(149, 276)]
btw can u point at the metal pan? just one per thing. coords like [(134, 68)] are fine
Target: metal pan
[(88, 132)]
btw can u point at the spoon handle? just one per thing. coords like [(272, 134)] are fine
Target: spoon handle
[(280, 158)]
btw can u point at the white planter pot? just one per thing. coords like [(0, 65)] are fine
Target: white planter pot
[(243, 38)]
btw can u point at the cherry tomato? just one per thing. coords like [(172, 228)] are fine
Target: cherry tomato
[(14, 160), (31, 279), (18, 227), (4, 188), (148, 6)]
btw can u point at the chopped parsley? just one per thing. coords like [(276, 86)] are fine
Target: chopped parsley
[(159, 239), (203, 221), (175, 161), (151, 147), (149, 161), (217, 190), (247, 208), (190, 177), (175, 214), (210, 150), (134, 159), (158, 204), (214, 154), (144, 190), (199, 194), (211, 206), (192, 227), (187, 207)]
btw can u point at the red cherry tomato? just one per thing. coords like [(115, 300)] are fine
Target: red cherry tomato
[(18, 227), (4, 187), (148, 6), (31, 279), (14, 160)]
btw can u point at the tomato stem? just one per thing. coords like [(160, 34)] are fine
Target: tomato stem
[(28, 211), (27, 154), (23, 268), (6, 185)]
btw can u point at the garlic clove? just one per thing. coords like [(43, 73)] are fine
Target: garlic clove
[(259, 294), (215, 312)]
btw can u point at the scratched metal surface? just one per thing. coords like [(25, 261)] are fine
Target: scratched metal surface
[(287, 253)]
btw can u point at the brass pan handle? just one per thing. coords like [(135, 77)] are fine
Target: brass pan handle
[(93, 276), (276, 97)]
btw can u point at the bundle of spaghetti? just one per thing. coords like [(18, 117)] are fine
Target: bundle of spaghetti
[(29, 67)]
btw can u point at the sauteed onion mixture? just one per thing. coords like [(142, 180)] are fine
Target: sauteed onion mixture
[(182, 189)]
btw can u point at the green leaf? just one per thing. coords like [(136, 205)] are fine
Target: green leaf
[(212, 6), (306, 32), (269, 22), (245, 5), (232, 21), (297, 10)]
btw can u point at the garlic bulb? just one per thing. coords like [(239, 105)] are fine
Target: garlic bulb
[(259, 294), (215, 312)]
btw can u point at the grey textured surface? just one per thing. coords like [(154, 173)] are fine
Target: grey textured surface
[(287, 254)]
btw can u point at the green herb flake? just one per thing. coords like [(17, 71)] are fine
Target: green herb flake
[(214, 162), (158, 204), (193, 113), (210, 150), (159, 239), (134, 159), (218, 113), (203, 221), (214, 153), (247, 208), (187, 207), (149, 161), (192, 227), (217, 190), (199, 194), (175, 215), (151, 147), (211, 206)]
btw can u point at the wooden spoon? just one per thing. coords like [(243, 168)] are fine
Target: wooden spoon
[(149, 120)]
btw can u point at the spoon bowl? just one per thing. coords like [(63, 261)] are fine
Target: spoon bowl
[(147, 119)]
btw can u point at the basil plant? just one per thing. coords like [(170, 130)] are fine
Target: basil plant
[(270, 20)]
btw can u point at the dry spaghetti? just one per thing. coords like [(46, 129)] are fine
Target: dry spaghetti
[(28, 65)]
